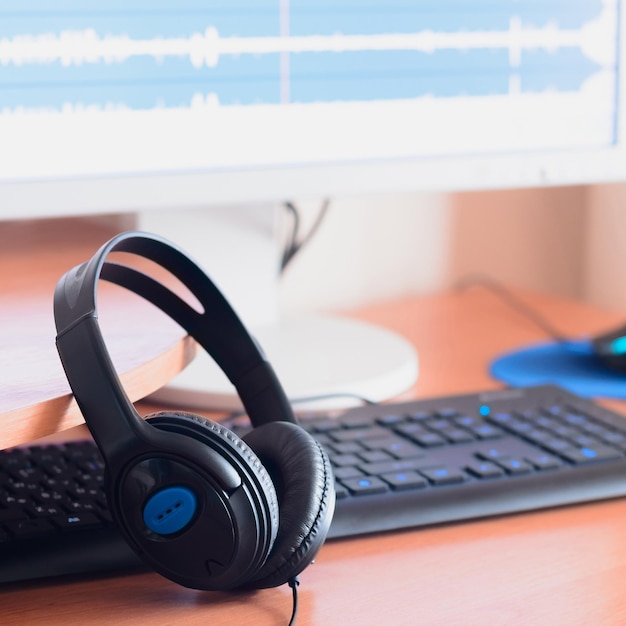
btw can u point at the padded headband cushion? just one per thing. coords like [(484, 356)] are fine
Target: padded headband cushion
[(304, 484)]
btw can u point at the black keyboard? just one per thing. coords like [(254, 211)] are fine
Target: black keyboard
[(396, 466)]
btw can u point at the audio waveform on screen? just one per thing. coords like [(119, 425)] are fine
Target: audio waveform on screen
[(87, 46), (108, 62)]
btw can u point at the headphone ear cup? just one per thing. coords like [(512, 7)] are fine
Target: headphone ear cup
[(303, 478), (262, 506)]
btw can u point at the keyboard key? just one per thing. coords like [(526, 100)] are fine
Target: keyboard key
[(29, 527), (492, 454), (575, 419), (428, 440), (467, 421), (613, 437), (410, 430), (593, 428), (557, 445), (396, 447), (368, 485), (419, 416), (347, 447), (46, 496), (12, 513), (386, 467), (9, 501), (28, 474), (556, 410), (585, 441), (515, 466), (403, 450), (501, 418), (539, 436), (485, 469), (323, 438), (485, 431), (77, 520), (375, 456), (590, 455), (544, 462), (322, 426), (356, 421), (360, 434), (405, 480), (39, 510), (458, 435), (390, 420), (344, 459), (520, 427), (347, 472), (79, 506), (443, 475), (567, 432), (546, 422)]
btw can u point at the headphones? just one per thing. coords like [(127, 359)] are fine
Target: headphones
[(198, 504)]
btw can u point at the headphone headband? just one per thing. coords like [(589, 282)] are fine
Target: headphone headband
[(216, 328)]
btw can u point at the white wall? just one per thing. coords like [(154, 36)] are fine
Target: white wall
[(604, 281), (367, 250), (372, 249), (530, 238), (568, 241)]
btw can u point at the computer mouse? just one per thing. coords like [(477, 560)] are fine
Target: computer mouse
[(611, 347)]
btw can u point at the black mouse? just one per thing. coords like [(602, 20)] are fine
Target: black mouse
[(611, 347)]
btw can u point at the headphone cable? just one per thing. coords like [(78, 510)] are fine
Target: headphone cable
[(513, 301), (294, 583), (296, 243)]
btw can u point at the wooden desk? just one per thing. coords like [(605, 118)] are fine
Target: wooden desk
[(35, 398), (559, 567)]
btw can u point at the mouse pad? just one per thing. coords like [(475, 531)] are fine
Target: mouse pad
[(571, 365)]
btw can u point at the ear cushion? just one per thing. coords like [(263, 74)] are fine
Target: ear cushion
[(210, 432), (304, 483)]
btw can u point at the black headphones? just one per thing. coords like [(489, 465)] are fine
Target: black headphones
[(201, 506)]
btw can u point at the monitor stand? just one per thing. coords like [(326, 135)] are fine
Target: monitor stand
[(324, 362)]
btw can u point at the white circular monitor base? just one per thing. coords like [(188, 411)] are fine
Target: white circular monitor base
[(317, 359)]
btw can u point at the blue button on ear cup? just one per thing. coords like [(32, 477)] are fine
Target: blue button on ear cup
[(170, 510)]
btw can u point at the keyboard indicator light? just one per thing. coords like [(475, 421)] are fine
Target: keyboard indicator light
[(484, 410)]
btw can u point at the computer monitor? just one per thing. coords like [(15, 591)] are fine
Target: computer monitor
[(123, 105), (145, 105)]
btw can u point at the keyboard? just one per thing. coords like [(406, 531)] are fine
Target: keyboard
[(401, 465)]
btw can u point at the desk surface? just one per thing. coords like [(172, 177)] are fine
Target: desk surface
[(565, 566), (35, 399)]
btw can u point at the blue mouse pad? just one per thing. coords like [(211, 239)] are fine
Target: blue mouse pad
[(571, 365)]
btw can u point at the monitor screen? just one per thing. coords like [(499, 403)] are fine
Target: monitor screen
[(122, 105)]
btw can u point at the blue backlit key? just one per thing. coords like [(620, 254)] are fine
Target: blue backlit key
[(366, 485)]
